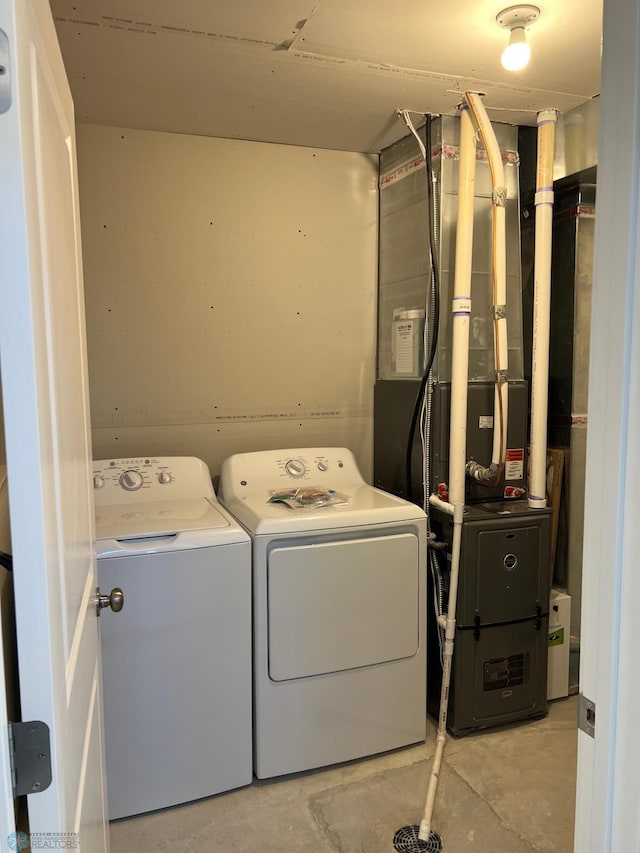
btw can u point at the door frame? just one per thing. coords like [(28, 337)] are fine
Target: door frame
[(606, 808)]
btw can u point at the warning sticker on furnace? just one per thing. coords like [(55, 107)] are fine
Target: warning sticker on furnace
[(514, 465)]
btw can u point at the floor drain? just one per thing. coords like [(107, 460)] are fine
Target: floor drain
[(407, 840)]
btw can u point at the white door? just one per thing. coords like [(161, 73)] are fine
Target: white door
[(46, 410)]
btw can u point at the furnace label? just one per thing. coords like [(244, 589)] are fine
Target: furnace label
[(514, 466)]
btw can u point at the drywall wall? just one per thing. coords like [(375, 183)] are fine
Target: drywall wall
[(230, 294), (577, 139)]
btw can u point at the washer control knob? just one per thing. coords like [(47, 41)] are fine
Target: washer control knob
[(323, 465), (164, 477), (131, 480), (98, 481), (295, 468)]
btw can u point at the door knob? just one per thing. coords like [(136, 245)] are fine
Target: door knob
[(115, 600)]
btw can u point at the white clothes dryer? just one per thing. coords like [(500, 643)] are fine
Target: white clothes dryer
[(176, 661), (339, 611)]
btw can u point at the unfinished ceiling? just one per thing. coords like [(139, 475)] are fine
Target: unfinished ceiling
[(322, 73)]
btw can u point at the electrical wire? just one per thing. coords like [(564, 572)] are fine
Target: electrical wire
[(438, 598), (423, 404), (435, 284), (410, 125)]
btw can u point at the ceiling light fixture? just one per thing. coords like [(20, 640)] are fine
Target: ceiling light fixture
[(515, 18)]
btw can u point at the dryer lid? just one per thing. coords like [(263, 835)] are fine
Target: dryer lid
[(367, 505)]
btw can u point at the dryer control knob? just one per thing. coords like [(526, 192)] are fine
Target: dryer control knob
[(131, 480), (164, 477), (323, 465), (98, 481), (295, 468)]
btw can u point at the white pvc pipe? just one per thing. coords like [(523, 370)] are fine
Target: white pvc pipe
[(541, 308), (450, 632), (461, 310), (501, 353), (445, 506)]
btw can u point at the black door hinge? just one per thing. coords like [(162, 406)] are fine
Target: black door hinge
[(30, 750)]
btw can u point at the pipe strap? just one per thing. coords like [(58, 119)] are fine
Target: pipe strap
[(458, 518), (537, 503), (548, 116), (499, 196), (544, 196), (461, 305)]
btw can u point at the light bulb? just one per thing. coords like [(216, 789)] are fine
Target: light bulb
[(517, 53)]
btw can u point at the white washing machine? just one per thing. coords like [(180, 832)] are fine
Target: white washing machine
[(176, 660), (339, 611)]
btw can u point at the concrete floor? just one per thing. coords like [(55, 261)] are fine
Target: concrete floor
[(507, 791)]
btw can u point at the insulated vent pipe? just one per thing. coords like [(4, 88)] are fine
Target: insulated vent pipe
[(541, 308)]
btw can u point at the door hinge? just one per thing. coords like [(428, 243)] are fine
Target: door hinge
[(586, 715), (5, 76), (30, 751)]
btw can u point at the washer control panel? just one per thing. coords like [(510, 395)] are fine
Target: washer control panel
[(332, 467), (117, 481)]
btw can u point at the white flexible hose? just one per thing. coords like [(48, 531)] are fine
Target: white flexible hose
[(429, 331), (427, 336), (407, 120)]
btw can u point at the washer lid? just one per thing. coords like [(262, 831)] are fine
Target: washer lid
[(367, 505), (162, 526), (157, 518)]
